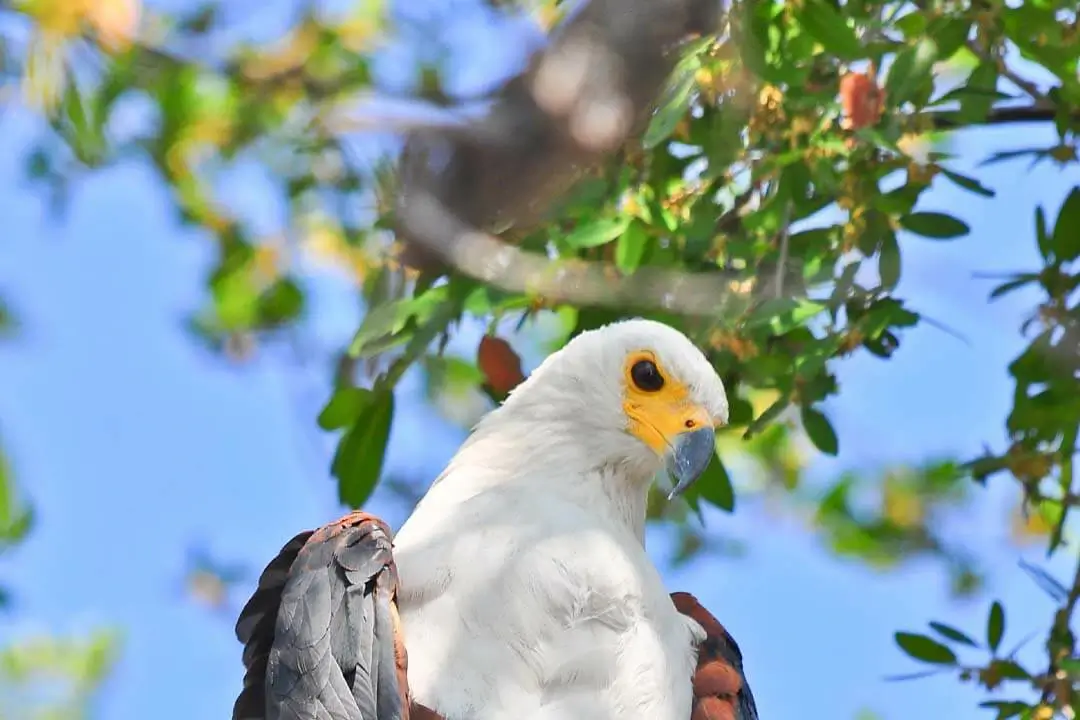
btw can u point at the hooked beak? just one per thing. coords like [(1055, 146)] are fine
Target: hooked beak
[(688, 457)]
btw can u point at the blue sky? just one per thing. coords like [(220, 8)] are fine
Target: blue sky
[(133, 443)]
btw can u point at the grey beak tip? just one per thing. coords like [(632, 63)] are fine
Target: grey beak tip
[(690, 456)]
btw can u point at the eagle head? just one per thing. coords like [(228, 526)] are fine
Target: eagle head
[(635, 393)]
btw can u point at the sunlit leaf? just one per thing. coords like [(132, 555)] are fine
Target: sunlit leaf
[(344, 407), (358, 460), (597, 232), (631, 247), (675, 100), (828, 27)]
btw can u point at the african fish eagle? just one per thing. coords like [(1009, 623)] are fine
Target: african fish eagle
[(520, 586)]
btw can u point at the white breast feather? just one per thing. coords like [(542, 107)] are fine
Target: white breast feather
[(561, 617), (526, 592)]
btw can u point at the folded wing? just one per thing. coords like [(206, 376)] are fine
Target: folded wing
[(320, 634), (721, 691)]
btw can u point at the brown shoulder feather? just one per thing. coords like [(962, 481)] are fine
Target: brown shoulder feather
[(721, 691)]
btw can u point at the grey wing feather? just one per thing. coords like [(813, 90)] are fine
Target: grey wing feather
[(319, 632)]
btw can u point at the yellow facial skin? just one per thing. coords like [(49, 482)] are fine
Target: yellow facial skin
[(659, 417)]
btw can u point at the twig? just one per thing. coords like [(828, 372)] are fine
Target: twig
[(1027, 86), (1062, 619), (729, 220)]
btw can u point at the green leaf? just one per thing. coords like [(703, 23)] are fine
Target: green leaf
[(236, 297), (820, 431), (901, 200), (1038, 154), (83, 128), (450, 374), (781, 315), (344, 407), (18, 528), (1006, 708), (1015, 284), (1042, 233), (674, 101), (383, 325), (934, 225), (7, 494), (631, 247), (889, 260), (1010, 670), (1049, 584), (950, 33), (953, 634), (913, 24), (386, 319), (911, 70), (359, 458), (925, 648), (282, 301), (983, 467), (770, 413), (16, 519), (828, 27), (599, 232), (968, 183), (995, 626), (1066, 241), (714, 485), (981, 91)]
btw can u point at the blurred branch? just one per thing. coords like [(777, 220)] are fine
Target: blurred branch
[(1064, 637), (947, 120), (579, 282), (579, 99)]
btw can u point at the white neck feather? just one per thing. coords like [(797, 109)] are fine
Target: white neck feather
[(561, 446)]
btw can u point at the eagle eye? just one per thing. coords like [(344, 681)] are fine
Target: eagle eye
[(646, 376)]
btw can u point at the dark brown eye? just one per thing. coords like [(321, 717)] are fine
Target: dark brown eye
[(647, 376)]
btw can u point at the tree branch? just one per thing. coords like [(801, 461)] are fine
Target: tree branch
[(579, 282)]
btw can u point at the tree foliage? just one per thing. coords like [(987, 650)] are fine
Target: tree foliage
[(763, 207), (52, 678)]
